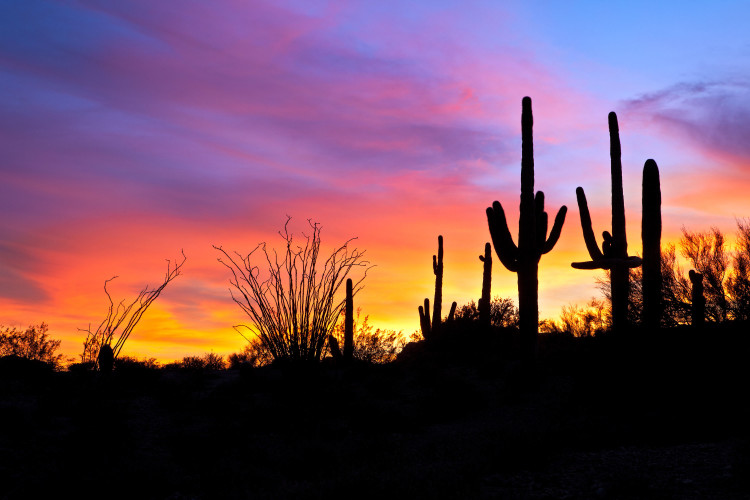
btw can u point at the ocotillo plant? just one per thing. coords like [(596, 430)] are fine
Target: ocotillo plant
[(699, 301), (651, 280), (614, 253), (532, 238), (485, 303), (424, 314)]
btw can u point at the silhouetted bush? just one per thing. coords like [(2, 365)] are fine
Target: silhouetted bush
[(503, 312), (292, 307), (209, 361), (373, 345), (130, 363), (33, 344), (253, 354)]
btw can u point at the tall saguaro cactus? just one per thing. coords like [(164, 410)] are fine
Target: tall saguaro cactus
[(485, 303), (532, 238), (651, 238), (614, 253)]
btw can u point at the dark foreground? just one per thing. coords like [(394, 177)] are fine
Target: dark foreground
[(652, 417)]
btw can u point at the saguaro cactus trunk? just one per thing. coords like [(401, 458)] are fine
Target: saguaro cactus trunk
[(532, 238), (349, 323), (485, 303), (614, 253), (698, 309), (651, 283)]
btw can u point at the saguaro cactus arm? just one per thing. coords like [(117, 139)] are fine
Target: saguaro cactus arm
[(554, 235), (424, 319), (599, 259), (506, 250)]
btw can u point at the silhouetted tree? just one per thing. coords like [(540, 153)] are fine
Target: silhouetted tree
[(532, 238), (120, 321), (738, 282), (293, 308), (33, 343)]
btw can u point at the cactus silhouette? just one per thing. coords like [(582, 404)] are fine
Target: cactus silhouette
[(349, 323), (698, 300), (333, 344), (651, 238), (106, 358), (485, 302), (428, 328), (532, 238), (614, 254)]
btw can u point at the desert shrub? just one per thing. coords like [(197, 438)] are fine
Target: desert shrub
[(254, 354), (503, 312), (213, 361), (579, 321), (132, 363), (209, 361), (292, 306), (33, 343), (374, 345)]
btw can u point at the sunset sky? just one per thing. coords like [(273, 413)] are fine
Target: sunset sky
[(130, 130)]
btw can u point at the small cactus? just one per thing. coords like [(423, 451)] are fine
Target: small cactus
[(485, 303), (698, 300), (431, 328), (532, 238), (106, 358), (614, 253), (651, 238)]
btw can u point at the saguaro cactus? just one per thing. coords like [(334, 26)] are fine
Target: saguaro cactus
[(485, 303), (429, 327), (532, 238), (651, 238), (437, 269), (614, 253), (698, 300), (349, 323)]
